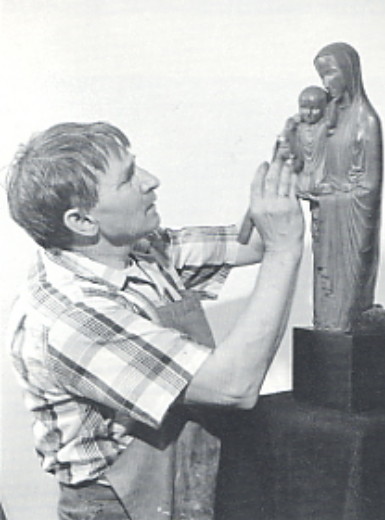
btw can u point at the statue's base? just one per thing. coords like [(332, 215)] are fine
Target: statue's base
[(338, 370)]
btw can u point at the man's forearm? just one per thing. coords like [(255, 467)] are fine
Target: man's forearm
[(234, 374), (251, 252), (259, 329)]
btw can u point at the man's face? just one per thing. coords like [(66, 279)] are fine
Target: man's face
[(331, 75), (125, 210)]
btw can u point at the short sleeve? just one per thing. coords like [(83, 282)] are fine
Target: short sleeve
[(109, 354), (203, 256)]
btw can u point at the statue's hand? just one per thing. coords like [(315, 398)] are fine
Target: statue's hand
[(306, 195), (354, 175), (323, 188), (283, 149), (292, 123), (345, 187)]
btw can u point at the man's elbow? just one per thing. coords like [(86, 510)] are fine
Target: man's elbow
[(243, 398), (227, 388), (248, 402)]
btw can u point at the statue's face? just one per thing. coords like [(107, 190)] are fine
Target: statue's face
[(311, 109), (331, 75)]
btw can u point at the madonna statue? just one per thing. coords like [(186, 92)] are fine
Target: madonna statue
[(346, 204)]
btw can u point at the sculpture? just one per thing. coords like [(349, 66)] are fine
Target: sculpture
[(346, 210), (340, 363), (335, 143), (304, 139), (336, 146)]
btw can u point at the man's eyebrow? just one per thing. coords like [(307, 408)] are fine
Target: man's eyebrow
[(128, 172)]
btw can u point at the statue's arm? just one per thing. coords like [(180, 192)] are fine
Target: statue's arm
[(365, 172), (287, 145), (367, 156)]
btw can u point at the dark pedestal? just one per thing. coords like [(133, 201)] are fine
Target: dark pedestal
[(288, 460), (338, 370)]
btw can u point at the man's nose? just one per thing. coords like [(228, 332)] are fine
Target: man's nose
[(147, 180)]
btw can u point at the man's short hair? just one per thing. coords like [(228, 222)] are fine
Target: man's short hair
[(56, 171)]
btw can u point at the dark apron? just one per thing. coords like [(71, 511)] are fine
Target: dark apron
[(170, 473)]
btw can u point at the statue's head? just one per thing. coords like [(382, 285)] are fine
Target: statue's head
[(338, 65), (312, 102)]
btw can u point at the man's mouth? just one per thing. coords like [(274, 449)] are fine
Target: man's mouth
[(151, 207)]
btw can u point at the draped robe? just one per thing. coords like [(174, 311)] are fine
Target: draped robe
[(346, 221)]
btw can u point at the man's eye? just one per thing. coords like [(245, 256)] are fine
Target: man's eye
[(128, 179), (125, 182)]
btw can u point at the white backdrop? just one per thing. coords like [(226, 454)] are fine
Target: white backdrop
[(201, 87)]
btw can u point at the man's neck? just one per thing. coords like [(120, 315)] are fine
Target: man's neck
[(116, 257)]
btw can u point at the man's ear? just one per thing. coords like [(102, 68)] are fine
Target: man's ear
[(80, 222)]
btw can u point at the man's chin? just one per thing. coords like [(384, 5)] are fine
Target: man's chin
[(157, 220), (152, 229)]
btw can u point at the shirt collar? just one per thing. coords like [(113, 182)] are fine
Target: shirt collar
[(84, 267)]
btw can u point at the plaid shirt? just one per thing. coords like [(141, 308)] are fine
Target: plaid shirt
[(87, 345)]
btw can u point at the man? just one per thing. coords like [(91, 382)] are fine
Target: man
[(109, 339)]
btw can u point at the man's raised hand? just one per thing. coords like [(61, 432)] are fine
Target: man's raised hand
[(274, 207)]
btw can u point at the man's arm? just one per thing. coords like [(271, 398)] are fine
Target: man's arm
[(251, 252), (234, 373)]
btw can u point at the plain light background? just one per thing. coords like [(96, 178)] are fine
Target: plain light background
[(202, 88)]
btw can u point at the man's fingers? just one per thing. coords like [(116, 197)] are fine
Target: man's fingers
[(293, 184), (272, 178), (257, 186), (284, 184), (276, 179), (246, 229)]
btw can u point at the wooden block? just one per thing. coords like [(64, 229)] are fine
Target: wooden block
[(339, 370)]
